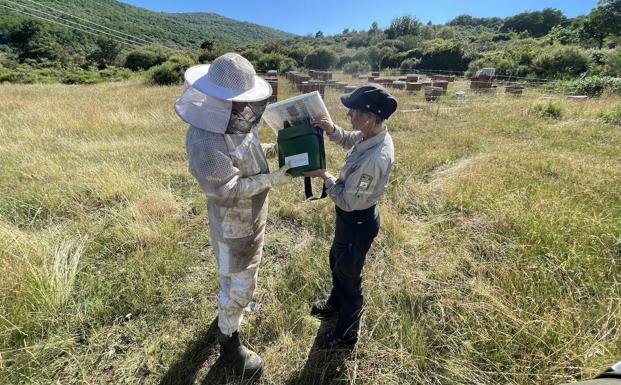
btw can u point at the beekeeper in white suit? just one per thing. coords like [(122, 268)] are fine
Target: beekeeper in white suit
[(223, 103)]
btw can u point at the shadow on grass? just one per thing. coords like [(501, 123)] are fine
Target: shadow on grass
[(322, 366), (185, 370)]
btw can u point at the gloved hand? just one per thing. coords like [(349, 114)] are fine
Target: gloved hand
[(280, 176), (270, 149)]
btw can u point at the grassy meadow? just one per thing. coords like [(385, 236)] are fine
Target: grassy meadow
[(497, 262)]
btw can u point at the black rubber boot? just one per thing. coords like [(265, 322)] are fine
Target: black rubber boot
[(335, 341), (323, 310), (244, 361)]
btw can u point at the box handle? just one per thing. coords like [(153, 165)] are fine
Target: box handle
[(308, 190)]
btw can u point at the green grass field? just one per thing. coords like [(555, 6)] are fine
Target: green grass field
[(497, 262)]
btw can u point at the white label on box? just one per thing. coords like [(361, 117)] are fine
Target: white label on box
[(297, 160)]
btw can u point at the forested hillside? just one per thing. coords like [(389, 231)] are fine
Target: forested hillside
[(543, 44), (168, 29)]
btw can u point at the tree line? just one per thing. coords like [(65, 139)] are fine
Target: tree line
[(537, 44)]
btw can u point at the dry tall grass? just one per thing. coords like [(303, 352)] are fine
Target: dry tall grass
[(497, 263)]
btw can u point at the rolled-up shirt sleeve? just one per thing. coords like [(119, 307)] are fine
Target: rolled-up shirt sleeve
[(362, 187)]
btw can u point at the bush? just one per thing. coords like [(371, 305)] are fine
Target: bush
[(550, 110), (115, 73), (612, 62), (5, 75), (275, 61), (167, 74), (321, 59), (392, 60), (81, 77), (23, 75), (612, 117), (344, 59), (144, 59), (595, 85), (181, 60), (356, 67), (409, 64), (444, 55), (560, 61)]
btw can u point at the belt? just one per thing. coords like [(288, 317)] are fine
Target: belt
[(365, 214)]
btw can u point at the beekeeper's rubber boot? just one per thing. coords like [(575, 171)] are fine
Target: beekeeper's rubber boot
[(244, 361)]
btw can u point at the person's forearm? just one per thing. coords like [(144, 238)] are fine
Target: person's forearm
[(343, 138)]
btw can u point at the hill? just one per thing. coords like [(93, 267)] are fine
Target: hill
[(169, 29)]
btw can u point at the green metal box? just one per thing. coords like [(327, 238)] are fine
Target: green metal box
[(302, 146)]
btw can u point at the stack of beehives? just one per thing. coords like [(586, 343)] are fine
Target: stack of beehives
[(272, 78)]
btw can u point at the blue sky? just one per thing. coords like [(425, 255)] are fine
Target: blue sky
[(302, 17)]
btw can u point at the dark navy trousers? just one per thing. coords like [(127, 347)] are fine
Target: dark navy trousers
[(354, 234)]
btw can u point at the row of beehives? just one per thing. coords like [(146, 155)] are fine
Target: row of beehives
[(434, 85), (314, 81)]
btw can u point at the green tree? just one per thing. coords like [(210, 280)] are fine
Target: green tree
[(443, 55), (32, 40), (560, 61), (537, 23), (356, 67), (403, 26), (106, 53), (275, 61), (613, 62), (144, 58), (602, 21), (207, 45), (321, 58), (594, 27)]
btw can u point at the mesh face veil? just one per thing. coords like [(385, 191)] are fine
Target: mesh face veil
[(243, 122)]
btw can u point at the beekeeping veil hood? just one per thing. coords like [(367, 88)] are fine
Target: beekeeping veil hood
[(210, 90)]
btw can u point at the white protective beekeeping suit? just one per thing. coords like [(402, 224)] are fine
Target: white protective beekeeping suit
[(226, 158)]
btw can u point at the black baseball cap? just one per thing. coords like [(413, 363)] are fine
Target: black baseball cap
[(372, 98)]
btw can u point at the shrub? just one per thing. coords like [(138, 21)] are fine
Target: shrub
[(166, 74), (115, 73), (444, 55), (392, 60), (550, 110), (560, 61), (409, 64), (143, 59), (288, 64), (275, 61), (23, 75), (344, 59), (612, 117), (356, 67), (81, 77), (321, 59), (595, 85), (5, 75), (181, 60), (613, 62)]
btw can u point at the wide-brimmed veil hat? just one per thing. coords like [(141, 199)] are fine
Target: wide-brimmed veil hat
[(229, 77), (210, 90)]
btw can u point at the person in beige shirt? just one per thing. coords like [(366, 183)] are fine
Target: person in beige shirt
[(361, 182)]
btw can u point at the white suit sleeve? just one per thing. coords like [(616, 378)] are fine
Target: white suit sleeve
[(345, 139), (213, 168), (359, 190)]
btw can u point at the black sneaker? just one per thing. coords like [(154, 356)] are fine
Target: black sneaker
[(323, 310), (332, 341)]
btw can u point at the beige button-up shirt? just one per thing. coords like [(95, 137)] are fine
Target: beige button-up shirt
[(364, 176)]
